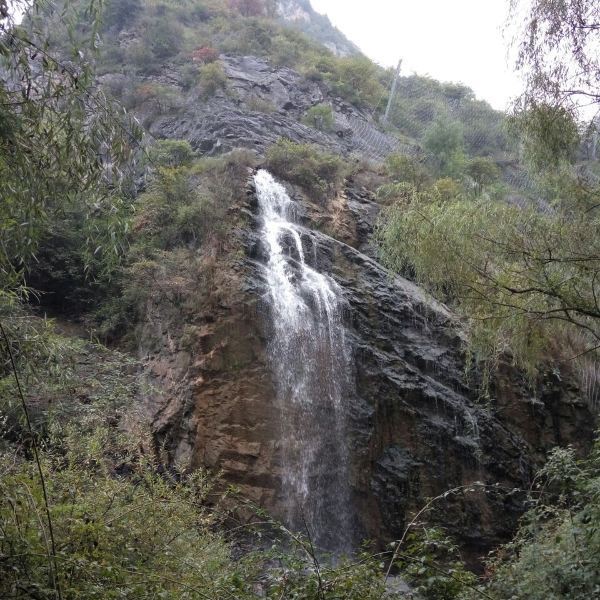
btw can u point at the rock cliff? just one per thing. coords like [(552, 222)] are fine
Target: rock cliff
[(260, 104), (418, 426)]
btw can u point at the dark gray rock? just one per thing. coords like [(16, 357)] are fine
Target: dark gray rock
[(261, 104)]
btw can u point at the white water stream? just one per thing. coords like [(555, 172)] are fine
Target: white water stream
[(311, 361)]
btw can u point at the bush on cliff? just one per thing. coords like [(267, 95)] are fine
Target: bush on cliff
[(212, 78), (178, 233), (318, 172), (320, 117)]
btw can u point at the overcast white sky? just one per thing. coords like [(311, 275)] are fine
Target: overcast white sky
[(451, 40)]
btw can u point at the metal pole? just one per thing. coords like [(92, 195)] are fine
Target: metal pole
[(393, 92)]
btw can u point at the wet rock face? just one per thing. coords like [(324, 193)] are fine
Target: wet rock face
[(420, 428), (417, 427)]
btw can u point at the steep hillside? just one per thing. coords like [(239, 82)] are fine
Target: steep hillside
[(192, 60)]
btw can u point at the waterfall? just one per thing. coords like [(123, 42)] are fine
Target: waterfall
[(311, 361)]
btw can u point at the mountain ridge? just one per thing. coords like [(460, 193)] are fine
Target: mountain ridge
[(301, 15)]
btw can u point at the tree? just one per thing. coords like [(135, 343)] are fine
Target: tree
[(525, 278), (444, 142), (557, 45), (61, 143)]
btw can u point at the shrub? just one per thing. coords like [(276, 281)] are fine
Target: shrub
[(483, 171), (555, 554), (172, 153), (187, 201), (398, 193), (319, 173), (257, 104), (204, 10), (356, 80), (444, 141), (284, 52), (205, 55), (447, 189), (164, 98), (320, 117), (432, 564), (164, 38), (189, 76), (211, 79), (401, 167), (143, 536)]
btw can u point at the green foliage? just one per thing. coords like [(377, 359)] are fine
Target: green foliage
[(144, 536), (403, 168), (400, 193), (40, 355), (431, 563), (65, 149), (257, 104), (549, 135), (211, 79), (180, 227), (319, 173), (444, 141), (447, 189), (78, 255), (421, 101), (356, 79), (176, 210), (555, 553), (557, 52), (172, 153), (525, 279), (160, 99), (126, 526), (483, 172), (164, 38), (320, 117), (506, 269), (302, 576)]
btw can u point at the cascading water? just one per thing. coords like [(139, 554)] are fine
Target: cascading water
[(311, 361)]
